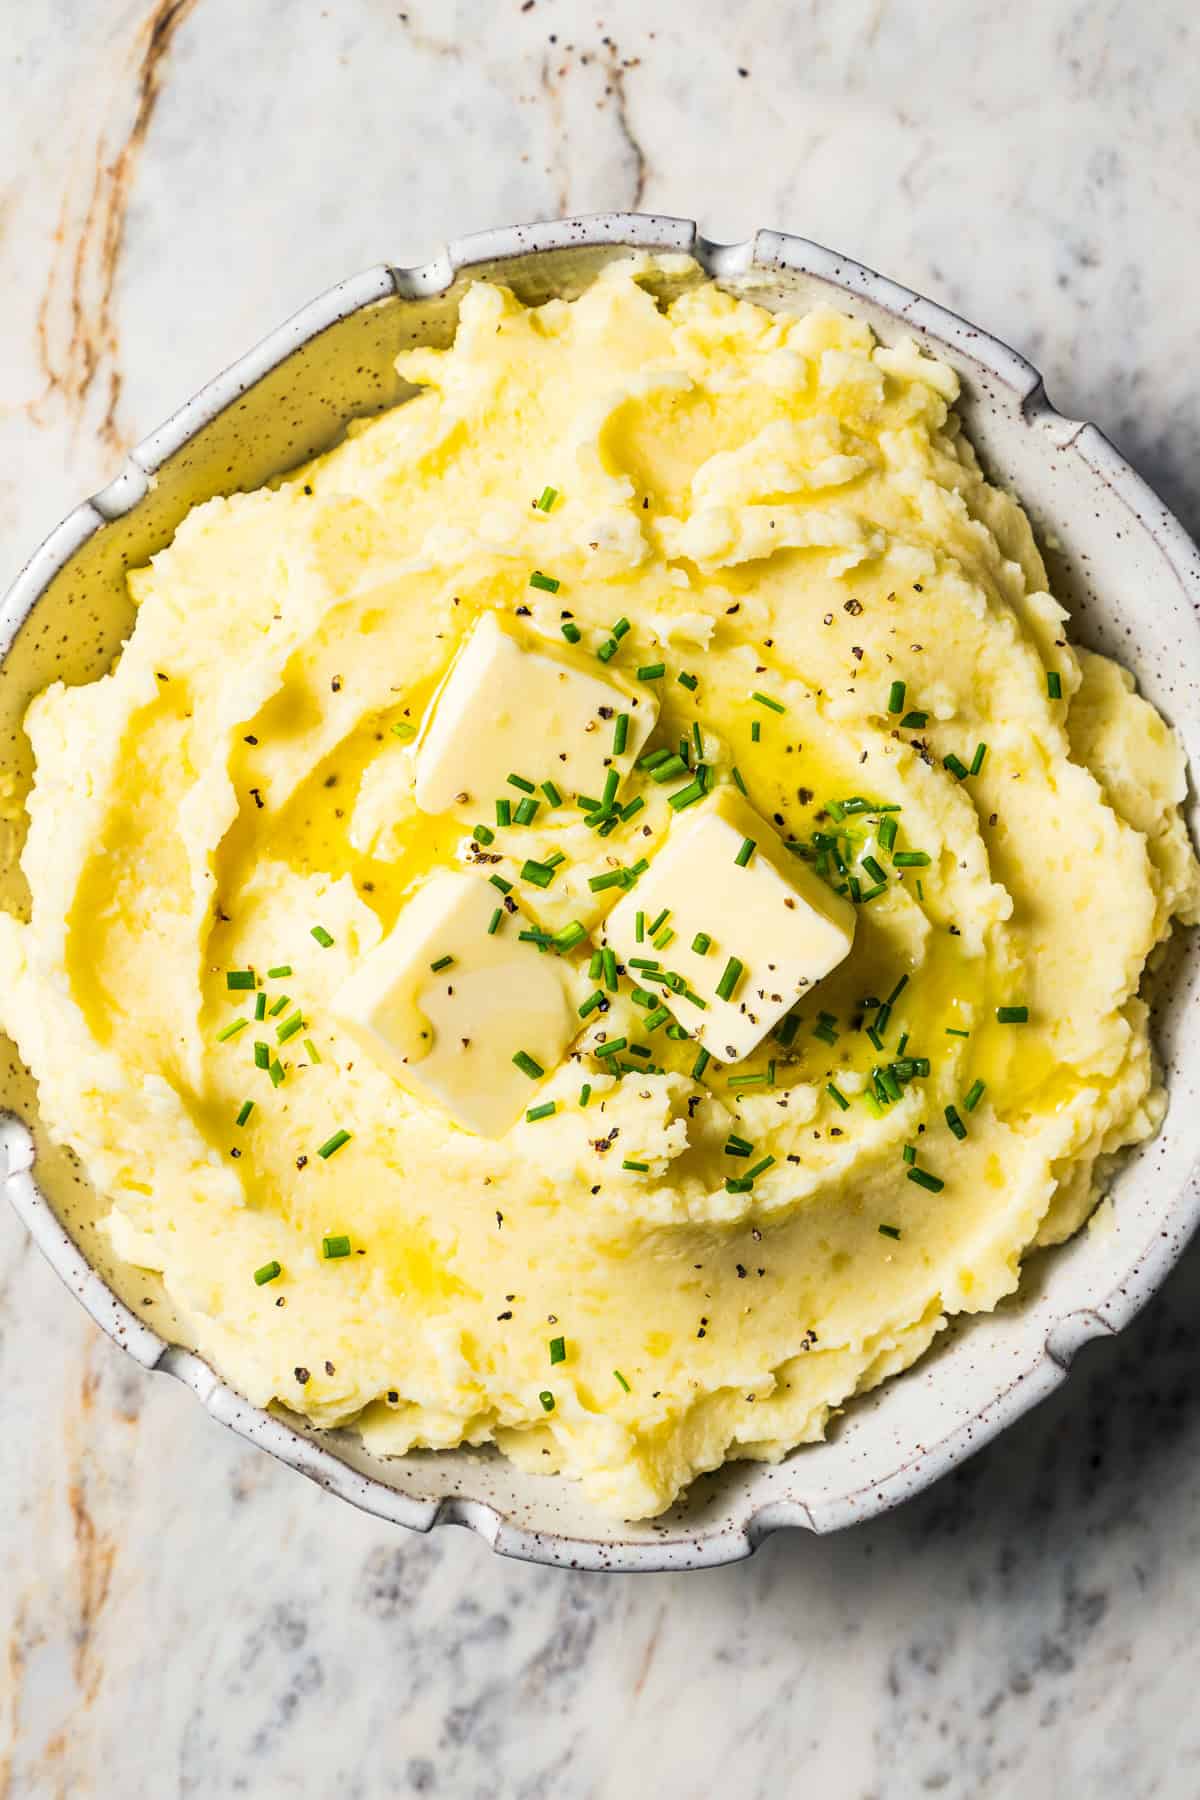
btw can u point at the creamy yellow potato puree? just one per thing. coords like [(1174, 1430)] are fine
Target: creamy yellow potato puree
[(774, 529)]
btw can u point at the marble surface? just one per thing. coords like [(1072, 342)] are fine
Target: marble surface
[(181, 1616)]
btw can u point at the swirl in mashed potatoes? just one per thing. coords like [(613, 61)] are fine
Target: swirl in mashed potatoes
[(697, 1258)]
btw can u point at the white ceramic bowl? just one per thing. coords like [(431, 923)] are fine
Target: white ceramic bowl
[(1119, 560)]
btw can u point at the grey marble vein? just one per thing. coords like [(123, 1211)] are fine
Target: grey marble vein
[(181, 1616)]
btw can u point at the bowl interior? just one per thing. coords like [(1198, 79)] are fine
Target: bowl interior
[(1118, 561)]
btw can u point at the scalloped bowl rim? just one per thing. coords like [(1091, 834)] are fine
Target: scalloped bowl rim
[(739, 1533)]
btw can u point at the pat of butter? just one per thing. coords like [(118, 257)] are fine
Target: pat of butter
[(450, 1034), (770, 911), (507, 707)]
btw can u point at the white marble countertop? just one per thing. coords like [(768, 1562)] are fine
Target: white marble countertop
[(182, 1616)]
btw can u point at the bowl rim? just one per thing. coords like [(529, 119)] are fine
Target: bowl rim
[(739, 1532)]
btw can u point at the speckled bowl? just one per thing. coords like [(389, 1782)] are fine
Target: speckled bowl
[(1119, 560)]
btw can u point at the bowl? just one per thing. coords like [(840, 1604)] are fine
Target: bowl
[(1117, 559)]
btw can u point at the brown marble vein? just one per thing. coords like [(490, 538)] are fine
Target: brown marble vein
[(77, 334)]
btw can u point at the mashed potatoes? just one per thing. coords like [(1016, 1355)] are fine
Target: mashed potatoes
[(681, 1260)]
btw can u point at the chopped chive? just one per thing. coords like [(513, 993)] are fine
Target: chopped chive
[(644, 962), (737, 779), (640, 866), (519, 781), (981, 751), (260, 1005), (698, 739), (887, 832), (873, 1034), (443, 962), (896, 697), (1054, 684), (912, 859), (889, 1084), (544, 1111), (621, 628), (745, 853), (741, 1081), (659, 920), (280, 972), (558, 1350), (973, 1095), (1012, 1015), (551, 792), (953, 1031), (667, 771), (687, 796), (932, 1184), (955, 1123), (276, 1073), (570, 935), (269, 1272), (546, 583), (570, 631), (322, 936), (540, 874), (703, 1058), (701, 943), (589, 1005), (909, 1153), (897, 990), (611, 1047), (281, 1005), (547, 1400), (335, 1246), (247, 1107), (652, 758), (785, 1031), (620, 734), (901, 1045), (766, 700), (836, 1095), (311, 1050), (595, 965), (639, 1168), (333, 1144), (608, 962), (874, 870), (262, 1055), (665, 937), (618, 1375), (494, 921), (889, 1231), (526, 812), (547, 498), (754, 1173), (528, 1066), (639, 927), (634, 806), (729, 978), (585, 1093), (607, 650), (612, 782), (231, 1030), (914, 721), (651, 671), (883, 1017), (289, 1030), (756, 731), (690, 682), (738, 1146), (504, 812), (239, 978), (836, 810), (498, 881), (482, 834), (956, 766), (654, 1019), (610, 878), (403, 729)]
